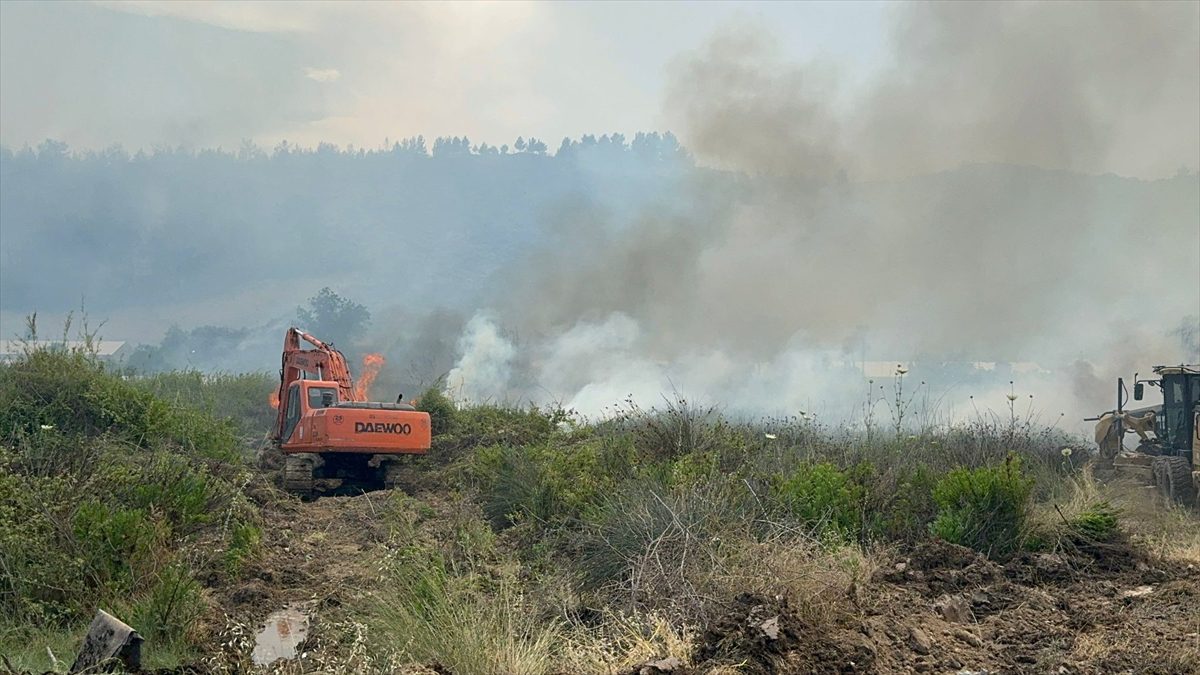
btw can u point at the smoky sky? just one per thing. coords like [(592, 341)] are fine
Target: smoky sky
[(1016, 183), (1089, 87), (962, 208)]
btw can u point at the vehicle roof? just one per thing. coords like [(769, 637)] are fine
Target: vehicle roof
[(1177, 370)]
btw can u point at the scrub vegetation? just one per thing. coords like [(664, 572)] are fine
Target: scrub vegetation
[(535, 541)]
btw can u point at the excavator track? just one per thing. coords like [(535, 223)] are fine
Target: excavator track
[(298, 476), (396, 473)]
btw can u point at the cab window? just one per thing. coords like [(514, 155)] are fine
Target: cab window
[(293, 412), (321, 397), (1174, 392)]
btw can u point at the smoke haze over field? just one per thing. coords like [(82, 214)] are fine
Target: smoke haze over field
[(1016, 183), (755, 290)]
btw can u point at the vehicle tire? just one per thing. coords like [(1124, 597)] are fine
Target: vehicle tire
[(1179, 480), (298, 476), (1158, 468)]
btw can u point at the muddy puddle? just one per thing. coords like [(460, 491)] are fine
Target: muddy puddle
[(282, 633)]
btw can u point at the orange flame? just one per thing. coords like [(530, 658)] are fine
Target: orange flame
[(372, 364), (273, 399)]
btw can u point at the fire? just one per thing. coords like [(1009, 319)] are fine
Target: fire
[(371, 365), (273, 399)]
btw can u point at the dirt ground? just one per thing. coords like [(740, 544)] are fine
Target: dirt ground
[(935, 608), (312, 553), (941, 608)]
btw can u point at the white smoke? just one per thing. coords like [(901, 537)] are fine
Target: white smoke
[(484, 368)]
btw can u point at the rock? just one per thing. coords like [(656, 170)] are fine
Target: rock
[(967, 637), (667, 665), (1137, 592), (109, 638), (954, 608), (919, 641)]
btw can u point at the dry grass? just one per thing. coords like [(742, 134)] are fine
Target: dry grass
[(820, 583), (621, 641), (1163, 528)]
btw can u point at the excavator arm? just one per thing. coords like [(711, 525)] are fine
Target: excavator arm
[(323, 360)]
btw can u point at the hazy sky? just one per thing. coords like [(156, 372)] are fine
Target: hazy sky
[(205, 74)]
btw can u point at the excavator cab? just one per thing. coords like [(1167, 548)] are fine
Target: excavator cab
[(305, 396)]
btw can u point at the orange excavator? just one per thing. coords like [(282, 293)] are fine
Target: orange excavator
[(329, 435)]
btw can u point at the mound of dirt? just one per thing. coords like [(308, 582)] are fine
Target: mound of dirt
[(1095, 608), (765, 635)]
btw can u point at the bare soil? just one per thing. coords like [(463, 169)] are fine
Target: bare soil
[(942, 608), (935, 608)]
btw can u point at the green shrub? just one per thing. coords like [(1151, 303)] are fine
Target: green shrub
[(242, 399), (105, 486), (692, 468), (822, 498), (42, 583), (490, 425), (169, 607), (899, 503), (985, 508), (116, 543), (440, 408), (546, 483), (73, 394), (245, 540)]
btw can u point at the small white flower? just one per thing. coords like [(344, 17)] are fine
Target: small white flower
[(1012, 397), (1066, 452), (901, 369), (47, 427), (770, 436)]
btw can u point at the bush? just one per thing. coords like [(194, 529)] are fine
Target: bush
[(440, 408), (899, 503), (490, 425), (243, 399), (548, 484), (985, 508), (244, 543), (108, 489), (71, 393), (822, 498)]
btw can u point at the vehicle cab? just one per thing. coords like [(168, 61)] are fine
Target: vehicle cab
[(303, 397), (1179, 424)]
